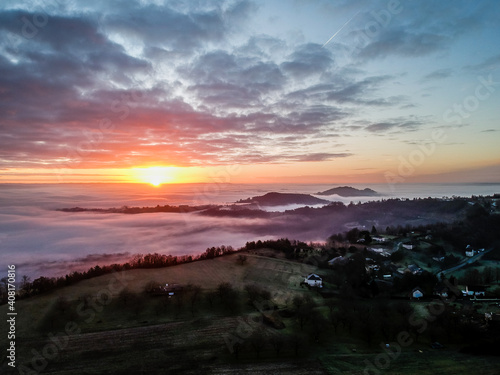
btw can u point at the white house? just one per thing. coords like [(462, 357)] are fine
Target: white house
[(417, 293), (469, 251), (409, 245), (314, 280)]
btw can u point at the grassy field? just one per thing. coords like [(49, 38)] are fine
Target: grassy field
[(281, 276), (156, 335)]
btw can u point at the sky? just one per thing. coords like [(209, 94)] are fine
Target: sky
[(307, 91)]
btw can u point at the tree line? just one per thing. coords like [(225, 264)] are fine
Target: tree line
[(45, 284)]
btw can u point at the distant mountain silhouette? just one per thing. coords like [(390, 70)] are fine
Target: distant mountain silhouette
[(282, 199), (348, 191)]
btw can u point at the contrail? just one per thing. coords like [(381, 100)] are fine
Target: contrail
[(339, 30)]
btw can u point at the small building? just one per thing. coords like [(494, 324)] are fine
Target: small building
[(379, 239), (314, 280), (410, 245), (469, 251), (414, 269), (417, 293), (380, 250), (441, 291), (474, 291), (168, 290)]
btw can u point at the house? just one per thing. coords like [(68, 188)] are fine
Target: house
[(410, 245), (474, 291), (380, 251), (417, 293), (379, 239), (168, 290), (414, 269), (441, 291), (314, 280), (469, 251)]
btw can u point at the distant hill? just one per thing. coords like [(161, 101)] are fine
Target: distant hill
[(348, 191), (282, 199)]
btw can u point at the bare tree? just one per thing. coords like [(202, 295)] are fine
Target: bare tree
[(257, 341), (194, 294), (241, 259), (210, 296), (26, 284), (277, 342), (296, 342)]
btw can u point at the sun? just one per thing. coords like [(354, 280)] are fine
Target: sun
[(155, 176)]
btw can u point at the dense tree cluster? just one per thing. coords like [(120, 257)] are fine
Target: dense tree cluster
[(45, 284)]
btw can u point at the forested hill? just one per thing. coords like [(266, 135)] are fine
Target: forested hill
[(283, 199), (348, 191)]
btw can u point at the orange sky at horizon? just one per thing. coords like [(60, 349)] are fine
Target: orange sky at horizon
[(312, 173)]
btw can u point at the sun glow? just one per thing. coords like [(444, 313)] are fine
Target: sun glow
[(155, 176)]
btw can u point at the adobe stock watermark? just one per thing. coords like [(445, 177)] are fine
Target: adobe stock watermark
[(392, 351), (247, 327), (32, 24), (453, 115), (87, 310), (471, 103), (408, 165)]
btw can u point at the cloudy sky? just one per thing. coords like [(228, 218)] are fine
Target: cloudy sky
[(256, 91)]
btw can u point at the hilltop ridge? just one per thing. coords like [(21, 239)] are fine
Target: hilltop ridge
[(281, 199), (349, 191)]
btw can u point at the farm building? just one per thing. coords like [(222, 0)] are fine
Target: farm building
[(314, 280)]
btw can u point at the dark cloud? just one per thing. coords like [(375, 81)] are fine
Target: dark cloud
[(321, 157), (399, 124), (490, 131), (403, 43), (346, 91), (220, 78), (306, 60)]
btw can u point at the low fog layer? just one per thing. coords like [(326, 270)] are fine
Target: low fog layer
[(42, 241)]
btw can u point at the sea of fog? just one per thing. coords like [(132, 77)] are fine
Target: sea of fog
[(42, 241)]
